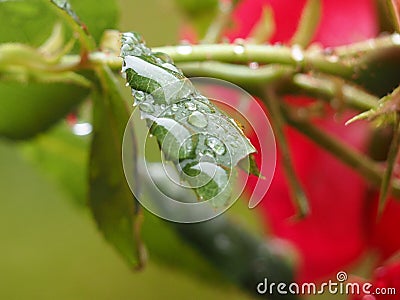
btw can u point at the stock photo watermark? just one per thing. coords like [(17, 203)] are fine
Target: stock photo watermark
[(340, 286)]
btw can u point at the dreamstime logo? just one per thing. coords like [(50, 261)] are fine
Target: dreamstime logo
[(338, 287), (204, 141)]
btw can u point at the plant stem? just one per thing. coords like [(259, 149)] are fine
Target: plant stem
[(222, 19), (365, 166), (324, 88), (390, 163), (277, 120), (309, 21), (377, 44), (263, 54), (87, 42), (238, 74), (318, 87)]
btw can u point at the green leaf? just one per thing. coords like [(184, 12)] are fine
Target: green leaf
[(204, 143), (27, 109), (31, 21), (114, 206), (241, 256)]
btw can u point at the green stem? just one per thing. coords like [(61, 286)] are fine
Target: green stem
[(318, 87), (391, 162), (87, 42), (372, 45), (309, 21), (238, 74), (394, 9), (361, 163), (222, 19), (263, 54), (324, 88), (278, 121)]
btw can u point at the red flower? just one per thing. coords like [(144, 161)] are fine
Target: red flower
[(343, 221), (385, 284), (333, 236)]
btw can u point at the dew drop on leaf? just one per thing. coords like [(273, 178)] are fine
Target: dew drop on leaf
[(174, 107), (216, 145), (190, 106), (146, 107), (208, 152), (139, 96), (197, 119)]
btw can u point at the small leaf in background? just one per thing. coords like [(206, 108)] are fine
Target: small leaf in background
[(111, 200), (25, 21), (27, 109), (204, 143), (264, 29), (30, 21)]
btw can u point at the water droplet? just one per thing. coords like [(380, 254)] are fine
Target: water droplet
[(149, 98), (202, 98), (216, 145), (198, 119), (239, 46), (82, 129), (208, 152), (162, 106), (170, 67), (139, 96), (133, 36), (146, 51), (163, 57), (125, 48), (127, 84), (254, 65), (190, 106), (184, 49), (174, 107), (396, 38), (146, 107), (238, 49), (297, 53), (136, 51)]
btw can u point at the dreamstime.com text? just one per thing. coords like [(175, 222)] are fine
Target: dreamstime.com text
[(339, 287)]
